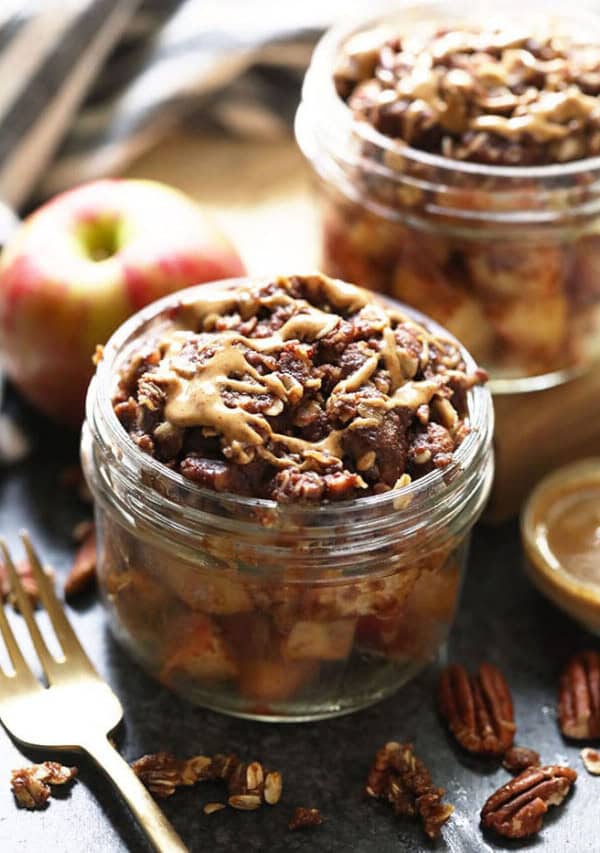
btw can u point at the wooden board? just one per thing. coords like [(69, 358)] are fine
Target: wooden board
[(260, 194)]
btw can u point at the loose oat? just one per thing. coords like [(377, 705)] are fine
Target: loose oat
[(591, 760), (245, 802), (211, 808), (273, 787)]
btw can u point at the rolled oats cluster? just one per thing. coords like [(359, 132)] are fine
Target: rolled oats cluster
[(301, 389), (491, 96)]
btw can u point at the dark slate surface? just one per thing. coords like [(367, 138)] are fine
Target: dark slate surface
[(501, 619)]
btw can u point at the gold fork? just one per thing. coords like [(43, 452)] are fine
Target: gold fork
[(78, 710)]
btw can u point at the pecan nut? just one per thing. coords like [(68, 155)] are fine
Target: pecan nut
[(519, 758), (83, 570), (517, 808), (478, 709), (399, 777), (579, 697)]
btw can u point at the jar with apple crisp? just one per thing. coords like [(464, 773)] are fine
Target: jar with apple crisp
[(457, 148), (285, 473)]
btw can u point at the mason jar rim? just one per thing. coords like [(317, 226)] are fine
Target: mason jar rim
[(338, 118), (463, 472)]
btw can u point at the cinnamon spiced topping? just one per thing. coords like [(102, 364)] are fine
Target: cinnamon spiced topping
[(483, 95), (306, 388)]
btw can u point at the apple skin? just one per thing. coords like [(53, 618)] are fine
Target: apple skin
[(80, 265)]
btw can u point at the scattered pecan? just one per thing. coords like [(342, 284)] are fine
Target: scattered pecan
[(83, 570), (579, 697), (81, 530), (303, 818), (72, 479), (402, 779), (519, 758), (248, 784), (27, 580), (478, 709), (31, 785), (516, 809), (591, 760)]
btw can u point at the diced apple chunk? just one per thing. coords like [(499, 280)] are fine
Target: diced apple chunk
[(199, 653), (319, 640)]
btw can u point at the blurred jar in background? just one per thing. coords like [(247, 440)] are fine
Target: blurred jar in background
[(504, 253)]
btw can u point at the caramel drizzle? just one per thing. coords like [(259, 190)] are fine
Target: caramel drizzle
[(194, 392)]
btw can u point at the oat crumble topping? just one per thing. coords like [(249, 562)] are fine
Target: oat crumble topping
[(302, 389), (484, 95)]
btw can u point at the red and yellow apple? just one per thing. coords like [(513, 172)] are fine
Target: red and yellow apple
[(81, 264)]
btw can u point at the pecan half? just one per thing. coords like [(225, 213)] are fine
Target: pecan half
[(399, 777), (27, 579), (478, 709), (302, 818), (519, 758), (517, 808), (579, 697), (31, 785), (83, 569)]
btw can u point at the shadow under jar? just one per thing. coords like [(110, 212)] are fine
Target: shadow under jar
[(281, 612), (507, 257)]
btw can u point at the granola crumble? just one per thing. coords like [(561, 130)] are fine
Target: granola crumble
[(248, 785), (483, 95), (303, 389), (31, 785), (399, 777), (304, 818)]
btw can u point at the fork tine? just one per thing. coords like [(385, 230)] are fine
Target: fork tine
[(12, 647), (49, 664), (65, 634)]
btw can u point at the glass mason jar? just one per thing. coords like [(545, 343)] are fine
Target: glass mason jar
[(271, 611), (506, 258)]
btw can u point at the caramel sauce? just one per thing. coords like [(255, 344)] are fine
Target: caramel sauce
[(573, 531)]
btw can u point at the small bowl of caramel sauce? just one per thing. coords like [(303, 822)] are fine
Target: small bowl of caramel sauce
[(560, 527)]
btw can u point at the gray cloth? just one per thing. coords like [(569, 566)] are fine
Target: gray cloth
[(86, 85)]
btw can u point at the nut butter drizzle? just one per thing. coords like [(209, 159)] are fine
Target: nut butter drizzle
[(194, 391)]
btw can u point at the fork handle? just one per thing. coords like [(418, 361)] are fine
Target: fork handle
[(159, 832)]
